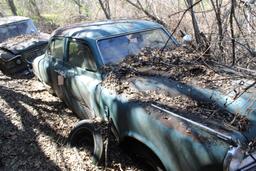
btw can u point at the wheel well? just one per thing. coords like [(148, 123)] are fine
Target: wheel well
[(212, 167), (130, 144)]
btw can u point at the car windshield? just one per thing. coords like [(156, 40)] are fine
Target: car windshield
[(114, 49), (17, 29)]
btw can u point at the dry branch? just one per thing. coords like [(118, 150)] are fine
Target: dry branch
[(139, 6), (105, 7)]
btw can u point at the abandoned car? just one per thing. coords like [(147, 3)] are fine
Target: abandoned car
[(20, 43), (102, 70)]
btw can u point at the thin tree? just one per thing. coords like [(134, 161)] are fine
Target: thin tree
[(33, 6), (12, 7), (217, 10), (78, 3), (195, 24), (105, 7), (232, 13)]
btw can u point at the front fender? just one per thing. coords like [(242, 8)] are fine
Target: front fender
[(41, 69), (178, 145)]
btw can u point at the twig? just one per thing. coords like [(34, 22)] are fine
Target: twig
[(245, 89), (245, 16), (140, 7)]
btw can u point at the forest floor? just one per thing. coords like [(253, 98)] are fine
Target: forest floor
[(34, 126)]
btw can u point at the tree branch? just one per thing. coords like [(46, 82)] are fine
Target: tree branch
[(139, 6), (105, 8)]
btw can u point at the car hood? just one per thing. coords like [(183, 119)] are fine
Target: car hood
[(238, 101), (20, 44)]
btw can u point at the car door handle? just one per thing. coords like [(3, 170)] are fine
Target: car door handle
[(62, 73), (70, 73), (66, 74)]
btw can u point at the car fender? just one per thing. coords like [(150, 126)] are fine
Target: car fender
[(146, 143), (41, 69)]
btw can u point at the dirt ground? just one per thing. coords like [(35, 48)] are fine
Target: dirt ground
[(34, 126)]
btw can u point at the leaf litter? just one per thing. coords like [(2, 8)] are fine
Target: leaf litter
[(186, 67), (34, 126), (14, 41)]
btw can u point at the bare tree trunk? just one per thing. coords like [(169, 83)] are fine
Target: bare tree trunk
[(232, 13), (217, 10), (105, 8), (34, 7), (195, 24), (12, 7), (78, 3), (203, 13)]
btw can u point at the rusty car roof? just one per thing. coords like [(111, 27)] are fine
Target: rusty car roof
[(12, 19), (101, 29)]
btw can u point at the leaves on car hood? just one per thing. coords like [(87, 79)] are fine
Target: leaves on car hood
[(152, 77), (23, 42)]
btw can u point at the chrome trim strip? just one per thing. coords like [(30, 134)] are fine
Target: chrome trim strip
[(217, 133)]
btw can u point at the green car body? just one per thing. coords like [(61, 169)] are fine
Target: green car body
[(180, 143)]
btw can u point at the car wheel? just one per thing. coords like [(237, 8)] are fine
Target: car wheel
[(87, 135)]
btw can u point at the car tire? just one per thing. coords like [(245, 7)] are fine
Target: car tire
[(87, 134)]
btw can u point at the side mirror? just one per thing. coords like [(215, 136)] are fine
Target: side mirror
[(187, 39)]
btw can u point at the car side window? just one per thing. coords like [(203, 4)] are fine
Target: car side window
[(80, 55), (56, 48)]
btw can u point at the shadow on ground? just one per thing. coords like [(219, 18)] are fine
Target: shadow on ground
[(34, 127)]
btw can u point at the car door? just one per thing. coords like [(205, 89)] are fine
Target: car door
[(80, 76), (56, 55)]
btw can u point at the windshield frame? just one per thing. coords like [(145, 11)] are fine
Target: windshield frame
[(173, 40)]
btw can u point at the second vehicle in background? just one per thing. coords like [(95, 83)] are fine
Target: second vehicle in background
[(20, 43)]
